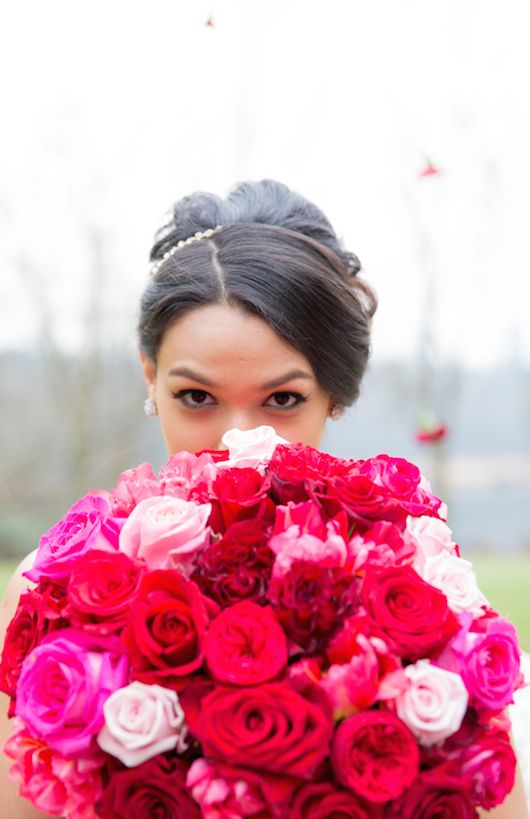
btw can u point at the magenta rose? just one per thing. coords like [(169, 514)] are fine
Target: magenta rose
[(237, 567), (245, 645), (268, 727), (100, 590), (157, 788), (488, 762), (165, 633), (322, 800), (439, 792), (88, 525), (413, 614), (375, 756), (64, 684), (24, 632), (404, 482)]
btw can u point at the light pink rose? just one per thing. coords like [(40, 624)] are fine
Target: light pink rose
[(456, 578), (54, 784), (430, 537), (250, 447), (434, 703), (142, 721), (87, 525), (166, 532), (63, 684)]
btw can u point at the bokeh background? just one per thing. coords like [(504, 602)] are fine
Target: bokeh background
[(407, 123)]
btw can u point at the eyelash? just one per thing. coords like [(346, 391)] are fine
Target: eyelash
[(181, 395)]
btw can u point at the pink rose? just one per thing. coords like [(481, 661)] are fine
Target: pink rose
[(430, 536), (381, 545), (142, 721), (225, 792), (63, 685), (87, 525), (489, 763), (300, 533), (166, 532), (250, 447), (245, 645), (433, 704), (456, 578), (188, 476), (53, 784), (133, 486)]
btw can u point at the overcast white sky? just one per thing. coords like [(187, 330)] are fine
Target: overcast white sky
[(111, 110)]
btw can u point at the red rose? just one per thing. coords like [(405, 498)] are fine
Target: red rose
[(155, 788), (238, 567), (322, 800), (24, 632), (311, 601), (295, 469), (239, 494), (435, 793), (375, 755), (166, 627), (487, 761), (101, 588), (268, 727), (245, 645), (413, 614)]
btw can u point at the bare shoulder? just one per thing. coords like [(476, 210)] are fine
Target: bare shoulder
[(16, 586)]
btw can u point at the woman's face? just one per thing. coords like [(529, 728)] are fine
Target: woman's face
[(219, 367)]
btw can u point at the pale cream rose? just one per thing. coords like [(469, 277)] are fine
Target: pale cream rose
[(166, 532), (456, 578), (430, 536), (142, 721), (250, 447), (434, 703)]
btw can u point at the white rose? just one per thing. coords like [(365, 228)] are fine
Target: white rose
[(430, 537), (142, 721), (434, 703), (456, 578), (250, 447)]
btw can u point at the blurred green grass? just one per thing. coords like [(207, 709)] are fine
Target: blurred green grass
[(505, 580)]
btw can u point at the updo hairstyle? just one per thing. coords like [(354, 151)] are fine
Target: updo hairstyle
[(276, 257)]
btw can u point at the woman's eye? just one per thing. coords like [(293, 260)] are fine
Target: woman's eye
[(285, 400), (194, 398)]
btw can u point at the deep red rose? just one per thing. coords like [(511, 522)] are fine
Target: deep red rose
[(101, 589), (238, 567), (268, 727), (311, 601), (375, 755), (245, 645), (165, 630), (296, 468), (157, 788), (24, 632), (54, 601), (240, 494), (413, 614), (322, 800), (435, 793), (217, 455)]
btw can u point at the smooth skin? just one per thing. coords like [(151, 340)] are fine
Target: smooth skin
[(217, 368)]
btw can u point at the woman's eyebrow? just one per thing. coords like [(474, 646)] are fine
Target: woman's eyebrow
[(185, 372)]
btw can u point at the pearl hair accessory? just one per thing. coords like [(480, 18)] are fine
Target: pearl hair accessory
[(150, 408), (200, 234)]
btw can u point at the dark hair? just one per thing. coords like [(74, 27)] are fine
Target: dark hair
[(277, 257)]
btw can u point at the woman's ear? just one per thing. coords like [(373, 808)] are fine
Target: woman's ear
[(149, 368)]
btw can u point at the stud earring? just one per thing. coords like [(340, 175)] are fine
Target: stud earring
[(336, 411), (150, 408)]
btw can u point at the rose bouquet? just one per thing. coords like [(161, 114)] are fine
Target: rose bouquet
[(266, 631)]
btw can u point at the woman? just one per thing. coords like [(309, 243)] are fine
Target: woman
[(253, 314)]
